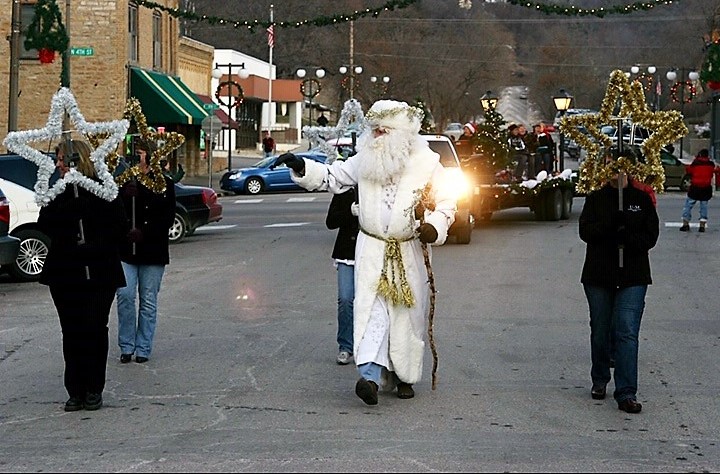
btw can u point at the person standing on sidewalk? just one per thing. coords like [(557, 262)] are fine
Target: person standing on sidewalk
[(144, 256), (615, 277), (701, 174), (268, 144), (342, 215), (83, 271)]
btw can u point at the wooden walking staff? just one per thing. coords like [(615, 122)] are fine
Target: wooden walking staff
[(427, 202)]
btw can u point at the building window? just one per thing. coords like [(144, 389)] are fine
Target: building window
[(133, 33), (157, 40), (27, 11), (281, 112)]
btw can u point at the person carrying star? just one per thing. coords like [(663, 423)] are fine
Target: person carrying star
[(150, 208), (83, 271)]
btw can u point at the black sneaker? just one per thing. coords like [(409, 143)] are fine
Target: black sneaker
[(74, 404), (141, 359), (93, 401), (684, 228), (125, 358), (701, 229)]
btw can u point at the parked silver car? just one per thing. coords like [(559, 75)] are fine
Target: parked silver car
[(453, 130)]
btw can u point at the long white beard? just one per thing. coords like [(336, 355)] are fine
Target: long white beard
[(385, 157)]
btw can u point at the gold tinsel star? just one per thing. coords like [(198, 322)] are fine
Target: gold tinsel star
[(161, 144), (665, 126)]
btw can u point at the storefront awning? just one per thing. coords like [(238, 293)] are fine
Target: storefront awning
[(165, 99)]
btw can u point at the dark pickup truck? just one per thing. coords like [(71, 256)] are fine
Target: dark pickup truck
[(550, 199)]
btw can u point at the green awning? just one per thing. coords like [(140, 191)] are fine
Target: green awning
[(165, 99)]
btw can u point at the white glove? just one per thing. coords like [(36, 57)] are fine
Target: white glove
[(355, 209)]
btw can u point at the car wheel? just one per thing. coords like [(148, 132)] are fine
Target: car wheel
[(34, 246), (254, 186), (567, 202), (539, 206), (178, 230), (464, 224), (685, 183), (553, 205)]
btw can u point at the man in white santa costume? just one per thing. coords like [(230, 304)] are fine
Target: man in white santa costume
[(404, 199)]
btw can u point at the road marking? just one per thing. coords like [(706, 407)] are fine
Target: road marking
[(302, 199), (248, 201), (678, 224), (215, 227), (288, 224)]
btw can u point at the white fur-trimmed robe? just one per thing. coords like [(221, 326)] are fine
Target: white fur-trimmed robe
[(407, 325)]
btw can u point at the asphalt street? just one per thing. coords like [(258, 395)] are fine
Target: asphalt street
[(243, 374)]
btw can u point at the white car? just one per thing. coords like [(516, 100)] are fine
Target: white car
[(34, 244), (464, 220)]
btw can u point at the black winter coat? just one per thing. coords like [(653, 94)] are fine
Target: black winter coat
[(154, 214), (340, 217), (104, 229), (598, 224)]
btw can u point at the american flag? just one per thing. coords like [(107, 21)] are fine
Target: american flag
[(271, 35)]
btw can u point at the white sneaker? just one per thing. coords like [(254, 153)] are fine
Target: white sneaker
[(343, 358)]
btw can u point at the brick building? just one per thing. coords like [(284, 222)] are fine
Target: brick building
[(118, 49)]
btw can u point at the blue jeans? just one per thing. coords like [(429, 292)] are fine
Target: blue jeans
[(371, 371), (689, 204), (346, 295), (619, 309), (136, 327)]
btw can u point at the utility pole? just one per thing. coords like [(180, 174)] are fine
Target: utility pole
[(14, 91), (352, 55), (65, 75)]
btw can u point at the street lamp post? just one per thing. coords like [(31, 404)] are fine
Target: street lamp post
[(650, 83), (351, 72), (682, 84), (229, 84), (310, 87), (488, 102), (381, 85), (562, 104)]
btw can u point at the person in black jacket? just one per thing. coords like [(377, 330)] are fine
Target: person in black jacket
[(83, 271), (615, 277), (144, 256), (342, 215)]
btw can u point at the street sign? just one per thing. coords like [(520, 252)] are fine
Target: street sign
[(87, 51), (211, 125), (211, 107)]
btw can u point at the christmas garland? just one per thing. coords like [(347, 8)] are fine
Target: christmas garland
[(310, 88), (400, 4), (572, 10), (252, 24), (688, 87), (46, 30), (239, 97)]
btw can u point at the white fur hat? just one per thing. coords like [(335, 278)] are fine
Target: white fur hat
[(395, 115)]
